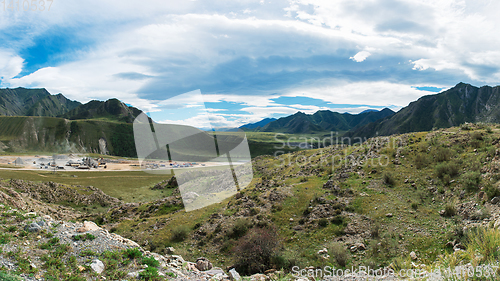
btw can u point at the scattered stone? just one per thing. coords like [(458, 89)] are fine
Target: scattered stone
[(360, 246), (258, 277), (234, 275), (389, 215), (30, 214), (203, 264), (413, 256), (169, 250), (323, 251), (97, 266), (133, 275), (88, 226), (32, 227), (481, 195)]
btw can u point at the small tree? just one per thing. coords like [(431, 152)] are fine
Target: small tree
[(256, 251)]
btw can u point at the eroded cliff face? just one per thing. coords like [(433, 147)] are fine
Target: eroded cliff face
[(59, 135)]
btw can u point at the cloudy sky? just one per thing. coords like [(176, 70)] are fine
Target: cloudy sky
[(249, 59)]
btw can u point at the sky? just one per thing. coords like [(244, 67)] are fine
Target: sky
[(228, 63)]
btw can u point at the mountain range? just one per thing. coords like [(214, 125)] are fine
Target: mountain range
[(453, 107), (35, 120), (321, 121)]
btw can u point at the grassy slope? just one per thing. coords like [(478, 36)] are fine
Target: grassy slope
[(414, 226), (418, 191)]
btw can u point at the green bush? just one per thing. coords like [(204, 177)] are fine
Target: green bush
[(150, 262), (338, 220), (450, 169), (420, 161), (339, 253), (180, 233), (471, 181), (150, 273), (322, 222), (477, 136), (4, 238), (442, 154), (449, 210), (132, 253), (492, 191), (240, 228), (388, 179), (5, 276)]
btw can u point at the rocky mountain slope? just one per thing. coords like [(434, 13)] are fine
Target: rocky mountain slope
[(34, 102), (112, 109), (301, 123), (460, 104)]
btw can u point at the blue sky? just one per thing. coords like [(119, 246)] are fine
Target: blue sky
[(251, 59)]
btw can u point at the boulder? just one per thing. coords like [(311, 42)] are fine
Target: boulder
[(169, 250), (88, 226), (203, 264), (495, 200), (413, 256), (97, 266), (32, 227), (234, 275)]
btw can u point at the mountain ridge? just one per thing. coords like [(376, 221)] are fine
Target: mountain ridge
[(453, 107), (323, 120)]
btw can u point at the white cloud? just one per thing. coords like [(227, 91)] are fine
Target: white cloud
[(361, 56), (10, 65)]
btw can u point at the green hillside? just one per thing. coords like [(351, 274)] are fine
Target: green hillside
[(58, 135)]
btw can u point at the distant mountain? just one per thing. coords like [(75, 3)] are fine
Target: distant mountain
[(112, 110), (261, 123), (369, 110), (34, 102), (460, 104), (325, 120)]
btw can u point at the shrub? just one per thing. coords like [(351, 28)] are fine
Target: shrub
[(388, 179), (339, 253), (132, 253), (471, 181), (338, 220), (240, 228), (9, 277), (150, 273), (442, 154), (477, 136), (449, 169), (420, 161), (375, 230), (449, 210), (322, 222), (414, 206), (256, 250), (150, 262), (484, 242), (180, 233), (492, 191), (4, 238)]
